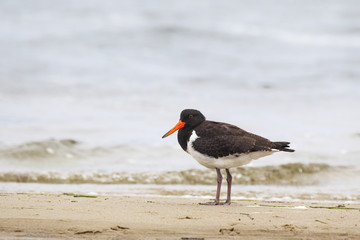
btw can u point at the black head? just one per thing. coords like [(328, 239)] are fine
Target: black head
[(189, 118)]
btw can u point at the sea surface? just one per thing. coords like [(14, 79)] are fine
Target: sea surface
[(88, 87)]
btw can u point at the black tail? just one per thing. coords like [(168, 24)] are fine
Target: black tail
[(282, 146)]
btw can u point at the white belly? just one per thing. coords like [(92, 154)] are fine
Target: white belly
[(230, 161)]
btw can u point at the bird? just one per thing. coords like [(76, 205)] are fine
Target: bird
[(218, 145)]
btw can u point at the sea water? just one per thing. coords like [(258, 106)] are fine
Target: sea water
[(87, 89)]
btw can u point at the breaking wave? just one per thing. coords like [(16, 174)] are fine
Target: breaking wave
[(68, 161), (287, 174), (52, 148)]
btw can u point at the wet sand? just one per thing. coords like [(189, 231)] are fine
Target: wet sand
[(33, 216)]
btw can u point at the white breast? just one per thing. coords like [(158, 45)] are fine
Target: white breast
[(230, 161)]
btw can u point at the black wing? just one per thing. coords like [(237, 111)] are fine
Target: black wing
[(222, 139)]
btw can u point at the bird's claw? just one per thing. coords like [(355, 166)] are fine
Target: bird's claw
[(216, 203)]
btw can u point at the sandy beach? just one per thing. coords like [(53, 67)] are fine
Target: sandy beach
[(32, 216), (88, 89)]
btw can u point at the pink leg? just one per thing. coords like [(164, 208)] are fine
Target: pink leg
[(219, 181), (229, 182)]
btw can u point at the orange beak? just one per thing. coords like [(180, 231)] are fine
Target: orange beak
[(179, 125)]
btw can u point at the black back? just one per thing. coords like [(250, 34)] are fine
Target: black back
[(217, 139)]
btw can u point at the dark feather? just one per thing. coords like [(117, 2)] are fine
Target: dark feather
[(282, 146), (222, 139)]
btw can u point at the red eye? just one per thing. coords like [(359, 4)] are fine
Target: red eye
[(191, 116)]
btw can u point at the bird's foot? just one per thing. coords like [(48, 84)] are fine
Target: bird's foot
[(227, 202), (216, 203)]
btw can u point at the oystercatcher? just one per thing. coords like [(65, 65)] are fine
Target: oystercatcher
[(218, 145)]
